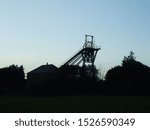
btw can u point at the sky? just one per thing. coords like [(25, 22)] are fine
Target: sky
[(34, 32)]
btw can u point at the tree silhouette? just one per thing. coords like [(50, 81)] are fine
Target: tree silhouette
[(129, 58), (132, 77), (77, 73), (12, 78)]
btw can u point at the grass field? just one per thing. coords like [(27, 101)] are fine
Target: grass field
[(75, 104)]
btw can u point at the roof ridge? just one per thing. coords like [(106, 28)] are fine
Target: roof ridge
[(44, 69)]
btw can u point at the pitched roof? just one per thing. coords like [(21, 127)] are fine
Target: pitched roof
[(49, 68)]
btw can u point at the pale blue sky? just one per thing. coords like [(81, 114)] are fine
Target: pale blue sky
[(33, 32)]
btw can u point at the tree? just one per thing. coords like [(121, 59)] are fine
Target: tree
[(131, 77), (129, 59), (12, 77), (89, 73)]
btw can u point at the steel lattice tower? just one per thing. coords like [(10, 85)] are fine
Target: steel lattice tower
[(86, 55)]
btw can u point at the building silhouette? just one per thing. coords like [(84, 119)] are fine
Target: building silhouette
[(42, 74)]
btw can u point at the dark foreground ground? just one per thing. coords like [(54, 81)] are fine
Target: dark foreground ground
[(75, 104)]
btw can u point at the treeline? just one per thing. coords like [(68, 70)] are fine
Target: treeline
[(130, 78)]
